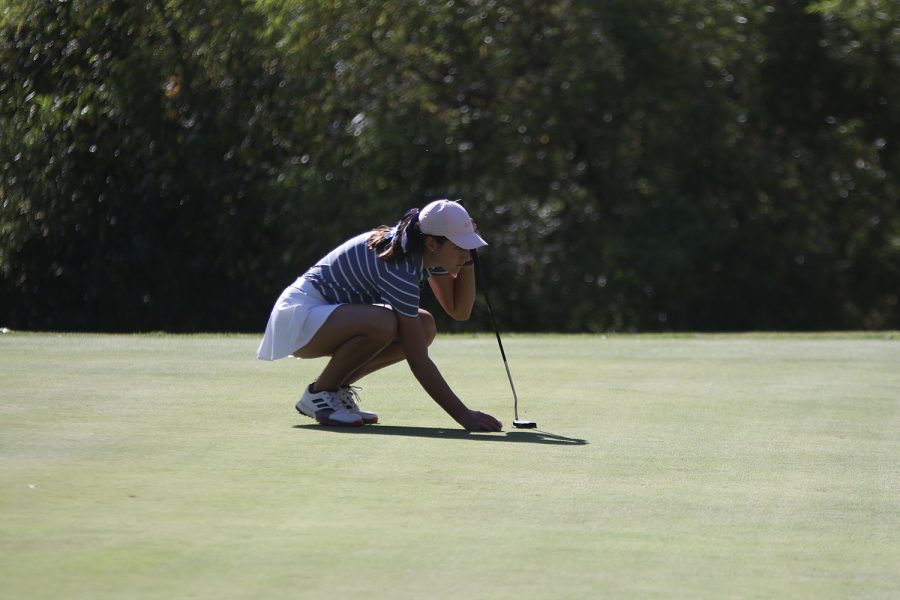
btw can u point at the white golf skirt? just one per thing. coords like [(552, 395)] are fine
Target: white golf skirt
[(296, 317)]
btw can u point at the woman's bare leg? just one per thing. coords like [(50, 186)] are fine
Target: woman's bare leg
[(393, 353), (351, 335), (360, 340)]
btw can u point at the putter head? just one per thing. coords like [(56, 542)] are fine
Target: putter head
[(522, 424)]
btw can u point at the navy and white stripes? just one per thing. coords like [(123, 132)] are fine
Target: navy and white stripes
[(353, 274)]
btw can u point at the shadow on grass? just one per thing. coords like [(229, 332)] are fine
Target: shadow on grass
[(534, 436)]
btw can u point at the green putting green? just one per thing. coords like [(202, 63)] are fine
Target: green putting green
[(668, 466)]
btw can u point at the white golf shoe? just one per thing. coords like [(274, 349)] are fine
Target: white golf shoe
[(347, 396), (325, 407)]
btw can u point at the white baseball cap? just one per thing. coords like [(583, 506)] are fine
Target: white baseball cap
[(450, 219)]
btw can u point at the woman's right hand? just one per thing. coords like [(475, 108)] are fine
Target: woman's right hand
[(476, 420)]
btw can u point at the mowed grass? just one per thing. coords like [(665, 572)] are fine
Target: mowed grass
[(696, 466)]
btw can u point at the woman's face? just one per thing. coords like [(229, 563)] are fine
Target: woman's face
[(445, 254)]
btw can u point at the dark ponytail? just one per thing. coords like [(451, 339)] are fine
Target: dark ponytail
[(404, 238), (388, 242)]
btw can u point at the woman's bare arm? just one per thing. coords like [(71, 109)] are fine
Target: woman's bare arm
[(426, 372)]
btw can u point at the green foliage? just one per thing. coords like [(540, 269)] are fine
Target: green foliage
[(634, 164), (138, 165)]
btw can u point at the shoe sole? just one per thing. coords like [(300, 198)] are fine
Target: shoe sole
[(324, 420)]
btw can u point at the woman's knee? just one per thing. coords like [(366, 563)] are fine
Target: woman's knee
[(429, 326)]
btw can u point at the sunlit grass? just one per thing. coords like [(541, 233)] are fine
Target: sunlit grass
[(686, 466)]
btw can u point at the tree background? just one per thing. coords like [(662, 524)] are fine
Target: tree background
[(637, 165)]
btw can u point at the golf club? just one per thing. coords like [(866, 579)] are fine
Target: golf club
[(519, 423)]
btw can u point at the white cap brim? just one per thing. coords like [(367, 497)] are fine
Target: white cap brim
[(468, 241)]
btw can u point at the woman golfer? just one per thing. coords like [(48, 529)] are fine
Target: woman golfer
[(360, 306)]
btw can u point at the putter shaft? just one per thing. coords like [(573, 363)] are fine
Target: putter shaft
[(496, 333)]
